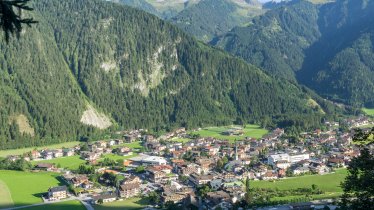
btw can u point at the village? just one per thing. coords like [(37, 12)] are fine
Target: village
[(198, 172)]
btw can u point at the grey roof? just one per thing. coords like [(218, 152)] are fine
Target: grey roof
[(58, 189)]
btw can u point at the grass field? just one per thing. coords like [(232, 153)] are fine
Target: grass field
[(67, 205), (71, 163), (133, 145), (4, 153), (253, 131), (27, 187), (128, 204), (329, 183), (368, 111), (5, 197)]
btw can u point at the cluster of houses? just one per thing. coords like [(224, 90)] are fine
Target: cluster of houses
[(176, 170), (357, 121)]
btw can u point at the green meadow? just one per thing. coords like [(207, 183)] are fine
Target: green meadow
[(71, 163), (128, 204), (253, 131), (26, 188), (5, 197), (329, 183), (66, 205), (132, 145), (369, 111), (4, 153)]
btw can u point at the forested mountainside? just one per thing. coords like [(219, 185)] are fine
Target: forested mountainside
[(90, 65), (276, 41), (204, 19), (327, 47), (210, 18)]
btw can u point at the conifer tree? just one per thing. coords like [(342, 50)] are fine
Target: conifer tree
[(11, 19)]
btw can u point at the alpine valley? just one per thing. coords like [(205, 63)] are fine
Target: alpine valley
[(186, 104), (92, 66)]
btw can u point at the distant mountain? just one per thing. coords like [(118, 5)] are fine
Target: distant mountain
[(210, 18), (204, 19), (164, 9), (328, 47), (89, 66)]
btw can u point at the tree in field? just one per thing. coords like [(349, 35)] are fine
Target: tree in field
[(358, 186), (11, 20)]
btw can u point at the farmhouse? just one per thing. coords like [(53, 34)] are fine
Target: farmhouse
[(45, 166)]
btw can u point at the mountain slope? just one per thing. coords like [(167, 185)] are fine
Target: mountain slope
[(204, 19), (345, 71), (276, 40), (90, 64), (210, 18), (327, 47)]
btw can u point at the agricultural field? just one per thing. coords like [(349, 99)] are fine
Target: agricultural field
[(369, 111), (128, 204), (71, 163), (26, 188), (329, 183), (4, 153), (66, 205), (253, 131)]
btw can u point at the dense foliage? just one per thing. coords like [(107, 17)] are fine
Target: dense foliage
[(358, 186), (328, 48), (18, 165), (136, 69)]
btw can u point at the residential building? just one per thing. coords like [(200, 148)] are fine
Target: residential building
[(129, 190), (200, 179), (57, 193)]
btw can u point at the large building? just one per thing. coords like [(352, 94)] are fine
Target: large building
[(294, 158), (273, 159), (149, 160)]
